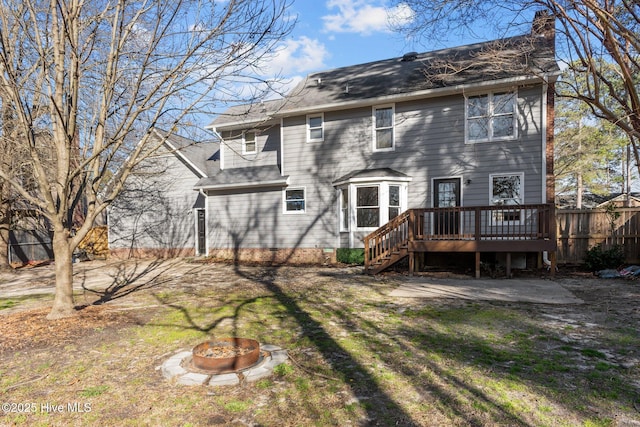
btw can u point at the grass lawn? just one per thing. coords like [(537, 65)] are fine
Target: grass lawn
[(357, 356)]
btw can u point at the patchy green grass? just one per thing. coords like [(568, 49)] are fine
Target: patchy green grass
[(358, 357), (7, 303)]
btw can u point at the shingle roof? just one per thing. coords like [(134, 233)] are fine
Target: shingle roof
[(259, 111), (482, 62), (521, 56), (201, 155), (249, 177), (372, 173)]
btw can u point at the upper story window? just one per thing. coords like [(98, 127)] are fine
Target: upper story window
[(294, 200), (383, 124), (507, 190), (249, 143), (315, 127), (491, 117)]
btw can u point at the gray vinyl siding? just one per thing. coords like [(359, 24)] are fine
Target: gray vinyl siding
[(255, 219), (155, 209), (267, 148), (429, 143)]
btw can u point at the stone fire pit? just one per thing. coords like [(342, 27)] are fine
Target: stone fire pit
[(226, 355), (223, 361)]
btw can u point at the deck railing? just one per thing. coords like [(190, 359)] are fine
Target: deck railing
[(475, 223)]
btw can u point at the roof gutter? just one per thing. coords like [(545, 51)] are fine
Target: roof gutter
[(243, 185)]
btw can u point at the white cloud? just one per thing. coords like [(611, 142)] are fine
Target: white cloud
[(291, 62), (359, 16), (297, 56)]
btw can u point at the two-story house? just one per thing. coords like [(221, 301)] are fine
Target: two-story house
[(444, 151)]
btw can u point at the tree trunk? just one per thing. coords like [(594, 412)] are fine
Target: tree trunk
[(63, 305), (5, 226)]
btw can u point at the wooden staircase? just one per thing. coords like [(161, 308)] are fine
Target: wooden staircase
[(387, 245)]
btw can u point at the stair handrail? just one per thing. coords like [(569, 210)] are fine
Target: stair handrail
[(387, 239)]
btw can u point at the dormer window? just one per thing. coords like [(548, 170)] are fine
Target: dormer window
[(248, 143), (315, 127)]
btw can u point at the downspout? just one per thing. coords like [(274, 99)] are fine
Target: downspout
[(545, 254), (206, 220), (215, 132), (282, 146)]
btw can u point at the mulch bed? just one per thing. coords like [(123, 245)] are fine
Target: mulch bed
[(31, 328)]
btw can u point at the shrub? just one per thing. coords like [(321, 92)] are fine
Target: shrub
[(350, 256), (597, 259)]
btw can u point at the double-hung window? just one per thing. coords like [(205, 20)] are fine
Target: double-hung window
[(383, 132), (315, 127), (507, 190), (294, 200), (344, 209), (491, 117), (248, 142), (367, 207), (394, 201)]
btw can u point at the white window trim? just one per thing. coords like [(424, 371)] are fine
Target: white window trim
[(496, 221), (284, 201), (399, 205), (341, 207), (244, 142), (375, 128), (355, 206), (309, 117), (491, 138), (195, 228)]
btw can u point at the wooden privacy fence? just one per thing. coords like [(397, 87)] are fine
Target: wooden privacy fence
[(581, 229)]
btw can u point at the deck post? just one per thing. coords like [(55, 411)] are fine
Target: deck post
[(554, 263), (508, 265), (477, 265), (412, 262), (410, 239), (367, 259)]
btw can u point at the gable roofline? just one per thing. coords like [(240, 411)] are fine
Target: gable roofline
[(175, 150), (387, 99)]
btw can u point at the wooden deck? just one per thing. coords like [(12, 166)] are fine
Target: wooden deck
[(478, 229)]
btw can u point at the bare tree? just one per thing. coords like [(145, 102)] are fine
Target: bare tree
[(592, 36), (99, 76)]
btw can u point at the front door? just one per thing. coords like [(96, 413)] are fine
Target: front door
[(446, 194), (201, 231)]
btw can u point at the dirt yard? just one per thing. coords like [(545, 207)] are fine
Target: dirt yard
[(357, 356)]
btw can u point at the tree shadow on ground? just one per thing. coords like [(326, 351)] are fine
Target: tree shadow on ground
[(386, 410), (128, 277)]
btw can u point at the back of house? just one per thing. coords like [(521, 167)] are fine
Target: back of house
[(350, 149)]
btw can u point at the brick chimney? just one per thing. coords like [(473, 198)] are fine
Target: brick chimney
[(544, 25)]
